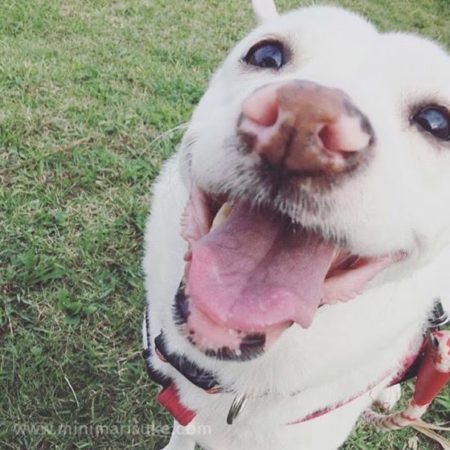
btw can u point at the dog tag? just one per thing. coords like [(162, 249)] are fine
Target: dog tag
[(238, 405)]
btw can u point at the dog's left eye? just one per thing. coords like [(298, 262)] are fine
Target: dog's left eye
[(435, 120), (267, 55)]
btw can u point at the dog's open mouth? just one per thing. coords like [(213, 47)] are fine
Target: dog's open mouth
[(250, 274)]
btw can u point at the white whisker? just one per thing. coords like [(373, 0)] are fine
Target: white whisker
[(168, 133)]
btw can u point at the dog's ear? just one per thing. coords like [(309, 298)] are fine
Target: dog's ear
[(264, 10)]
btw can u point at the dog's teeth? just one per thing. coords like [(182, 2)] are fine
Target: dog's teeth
[(221, 215)]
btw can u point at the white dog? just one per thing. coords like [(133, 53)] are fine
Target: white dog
[(301, 234)]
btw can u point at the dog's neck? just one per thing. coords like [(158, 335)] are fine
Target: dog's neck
[(208, 381)]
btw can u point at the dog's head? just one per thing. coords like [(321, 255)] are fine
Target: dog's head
[(319, 163)]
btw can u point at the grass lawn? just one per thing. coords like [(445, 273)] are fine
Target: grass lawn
[(85, 88)]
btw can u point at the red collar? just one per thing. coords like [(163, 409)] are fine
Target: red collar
[(170, 400)]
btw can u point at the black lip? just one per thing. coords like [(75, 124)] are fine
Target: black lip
[(181, 306), (196, 375), (251, 346)]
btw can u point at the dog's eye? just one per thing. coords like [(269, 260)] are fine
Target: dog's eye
[(435, 120), (267, 55)]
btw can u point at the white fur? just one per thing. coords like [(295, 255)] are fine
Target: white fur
[(400, 202)]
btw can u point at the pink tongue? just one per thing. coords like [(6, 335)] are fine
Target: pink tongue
[(250, 273)]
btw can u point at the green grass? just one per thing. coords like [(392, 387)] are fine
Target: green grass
[(85, 88)]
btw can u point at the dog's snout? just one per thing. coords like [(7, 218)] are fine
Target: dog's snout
[(305, 127)]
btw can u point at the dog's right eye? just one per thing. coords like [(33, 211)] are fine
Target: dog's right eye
[(434, 120), (267, 55)]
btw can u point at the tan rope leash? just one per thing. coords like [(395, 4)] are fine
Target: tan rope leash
[(433, 375)]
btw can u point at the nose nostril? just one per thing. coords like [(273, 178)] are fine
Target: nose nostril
[(344, 135), (328, 138), (261, 108)]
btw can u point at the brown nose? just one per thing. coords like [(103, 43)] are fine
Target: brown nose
[(305, 127)]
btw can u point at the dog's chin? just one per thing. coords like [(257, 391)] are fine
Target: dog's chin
[(251, 273)]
